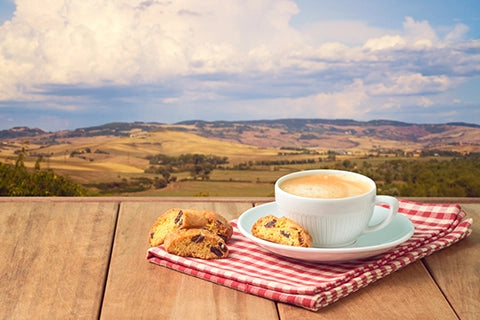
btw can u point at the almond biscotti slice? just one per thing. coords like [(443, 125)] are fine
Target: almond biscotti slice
[(197, 243), (281, 230)]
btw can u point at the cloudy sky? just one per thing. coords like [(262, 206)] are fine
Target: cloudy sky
[(78, 63)]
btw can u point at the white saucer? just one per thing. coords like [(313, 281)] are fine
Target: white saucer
[(397, 232)]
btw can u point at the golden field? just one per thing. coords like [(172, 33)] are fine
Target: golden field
[(91, 156), (114, 158)]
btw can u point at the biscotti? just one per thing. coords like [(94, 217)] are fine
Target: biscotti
[(281, 230), (218, 225), (172, 219), (177, 218), (197, 243)]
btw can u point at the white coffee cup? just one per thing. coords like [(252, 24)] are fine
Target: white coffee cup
[(334, 206)]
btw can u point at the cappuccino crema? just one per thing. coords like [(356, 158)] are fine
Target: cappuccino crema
[(326, 186)]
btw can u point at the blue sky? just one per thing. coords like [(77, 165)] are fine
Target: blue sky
[(79, 63)]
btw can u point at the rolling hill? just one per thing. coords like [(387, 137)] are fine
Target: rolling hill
[(309, 133), (320, 134), (117, 152)]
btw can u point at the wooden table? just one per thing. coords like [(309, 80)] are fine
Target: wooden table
[(84, 258)]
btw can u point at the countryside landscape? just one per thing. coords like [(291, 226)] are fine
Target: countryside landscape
[(242, 158)]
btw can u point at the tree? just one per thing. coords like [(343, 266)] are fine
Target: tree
[(199, 165), (17, 180)]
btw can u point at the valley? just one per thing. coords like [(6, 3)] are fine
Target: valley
[(258, 152)]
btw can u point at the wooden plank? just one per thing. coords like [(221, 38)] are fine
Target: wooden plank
[(139, 289), (408, 293), (54, 258), (457, 269)]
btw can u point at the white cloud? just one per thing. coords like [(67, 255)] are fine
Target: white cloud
[(349, 102), (457, 34), (385, 42), (127, 41), (420, 33), (213, 50), (411, 84), (425, 102)]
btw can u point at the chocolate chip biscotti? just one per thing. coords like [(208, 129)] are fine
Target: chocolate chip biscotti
[(172, 219), (281, 230), (218, 225), (177, 218), (197, 243)]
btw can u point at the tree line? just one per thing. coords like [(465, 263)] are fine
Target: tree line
[(457, 177), (16, 180), (199, 165)]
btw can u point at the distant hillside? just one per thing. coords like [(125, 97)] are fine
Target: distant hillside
[(117, 129), (289, 133), (339, 133), (19, 132)]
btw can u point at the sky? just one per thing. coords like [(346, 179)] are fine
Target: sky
[(80, 63)]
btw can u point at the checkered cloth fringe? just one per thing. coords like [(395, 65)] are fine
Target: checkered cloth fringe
[(254, 270)]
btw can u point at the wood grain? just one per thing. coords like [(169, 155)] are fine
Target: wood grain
[(139, 289), (71, 258), (457, 270), (54, 258), (409, 293)]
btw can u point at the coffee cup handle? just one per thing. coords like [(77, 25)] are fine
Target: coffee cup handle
[(393, 209)]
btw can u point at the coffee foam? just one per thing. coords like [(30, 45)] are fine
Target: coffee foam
[(325, 186)]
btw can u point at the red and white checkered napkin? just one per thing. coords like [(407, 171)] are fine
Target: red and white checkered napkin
[(312, 286)]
